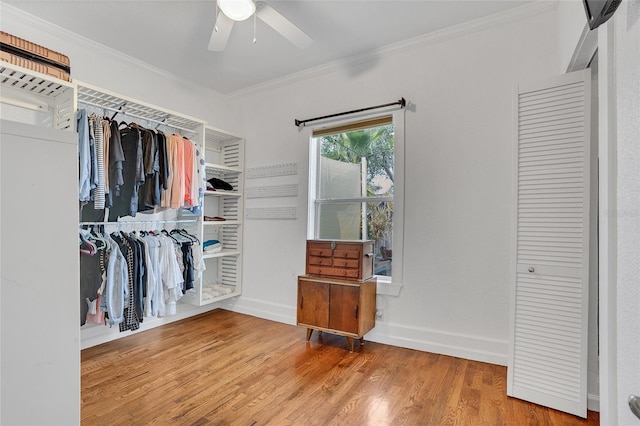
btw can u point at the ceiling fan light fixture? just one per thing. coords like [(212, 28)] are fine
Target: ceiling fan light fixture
[(237, 10)]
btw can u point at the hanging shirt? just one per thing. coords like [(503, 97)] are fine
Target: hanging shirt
[(116, 289), (150, 281), (150, 191), (170, 165), (131, 320), (84, 156), (163, 161), (126, 203), (171, 276), (177, 169), (99, 191), (190, 198), (90, 281), (116, 161), (155, 296), (106, 131)]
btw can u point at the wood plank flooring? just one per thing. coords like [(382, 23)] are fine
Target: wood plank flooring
[(224, 368)]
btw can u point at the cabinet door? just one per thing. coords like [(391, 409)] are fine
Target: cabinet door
[(549, 310), (313, 303), (344, 302)]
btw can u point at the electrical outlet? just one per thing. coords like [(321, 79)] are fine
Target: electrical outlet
[(379, 314)]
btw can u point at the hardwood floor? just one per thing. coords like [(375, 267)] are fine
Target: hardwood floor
[(224, 368)]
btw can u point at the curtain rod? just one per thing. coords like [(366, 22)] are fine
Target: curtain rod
[(401, 102)]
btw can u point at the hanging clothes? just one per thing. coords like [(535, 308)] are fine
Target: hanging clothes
[(138, 275), (150, 196), (99, 190), (126, 202), (131, 320), (90, 280), (84, 156), (116, 288), (116, 162), (129, 169)]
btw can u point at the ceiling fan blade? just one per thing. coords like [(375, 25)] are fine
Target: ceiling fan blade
[(221, 33), (282, 25)]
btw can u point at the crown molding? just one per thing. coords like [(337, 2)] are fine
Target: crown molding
[(12, 13), (525, 11)]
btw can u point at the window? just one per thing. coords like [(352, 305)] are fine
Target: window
[(356, 187)]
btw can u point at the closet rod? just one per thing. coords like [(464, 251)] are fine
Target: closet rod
[(164, 123), (401, 102)]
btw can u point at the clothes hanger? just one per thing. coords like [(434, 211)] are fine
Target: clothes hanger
[(165, 232), (191, 237), (181, 237), (98, 236), (86, 246)]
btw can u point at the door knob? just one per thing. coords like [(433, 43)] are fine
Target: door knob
[(531, 269), (634, 405)]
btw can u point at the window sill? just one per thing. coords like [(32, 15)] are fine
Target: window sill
[(388, 288)]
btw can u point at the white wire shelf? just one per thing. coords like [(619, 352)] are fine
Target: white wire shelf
[(30, 89), (221, 168), (32, 81), (222, 194), (215, 136), (213, 223), (101, 98), (222, 253)]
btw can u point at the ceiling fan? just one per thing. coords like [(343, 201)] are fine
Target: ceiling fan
[(230, 11)]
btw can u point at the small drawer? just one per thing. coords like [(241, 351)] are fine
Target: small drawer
[(322, 261), (346, 263), (347, 254), (322, 252)]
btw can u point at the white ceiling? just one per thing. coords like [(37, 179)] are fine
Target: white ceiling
[(174, 35)]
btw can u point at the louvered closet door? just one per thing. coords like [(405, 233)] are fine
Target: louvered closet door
[(548, 342)]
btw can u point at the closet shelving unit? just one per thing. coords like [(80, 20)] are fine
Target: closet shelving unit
[(224, 156), (224, 159), (147, 113), (55, 99)]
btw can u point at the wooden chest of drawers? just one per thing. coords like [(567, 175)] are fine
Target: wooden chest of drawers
[(350, 260)]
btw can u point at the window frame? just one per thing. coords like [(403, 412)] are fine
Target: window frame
[(386, 285)]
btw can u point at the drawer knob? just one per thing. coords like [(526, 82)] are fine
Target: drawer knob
[(369, 254), (531, 269)]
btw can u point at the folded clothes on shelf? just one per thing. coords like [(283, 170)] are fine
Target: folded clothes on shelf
[(219, 184), (214, 219), (212, 246), (210, 243)]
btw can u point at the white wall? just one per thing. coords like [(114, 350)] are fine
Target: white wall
[(627, 80), (458, 182)]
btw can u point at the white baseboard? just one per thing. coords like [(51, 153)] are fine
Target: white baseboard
[(475, 348), (593, 402), (257, 308), (458, 345)]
